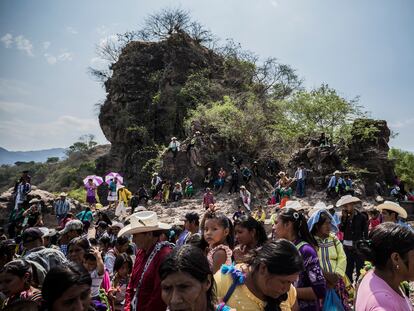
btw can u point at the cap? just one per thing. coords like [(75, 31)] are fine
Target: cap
[(31, 234), (71, 226)]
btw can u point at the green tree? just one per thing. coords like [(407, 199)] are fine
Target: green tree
[(52, 160), (404, 165), (85, 143)]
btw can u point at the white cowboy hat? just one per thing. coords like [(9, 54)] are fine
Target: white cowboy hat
[(337, 172), (392, 206), (318, 206), (62, 194), (295, 205), (145, 221), (346, 199), (379, 199)]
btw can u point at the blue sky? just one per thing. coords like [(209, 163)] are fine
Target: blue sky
[(47, 99)]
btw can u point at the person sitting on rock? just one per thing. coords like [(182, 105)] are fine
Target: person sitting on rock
[(177, 192), (348, 185), (239, 213), (323, 141), (396, 193), (247, 174), (189, 188), (219, 184), (174, 146), (336, 185), (285, 189), (259, 214), (208, 177)]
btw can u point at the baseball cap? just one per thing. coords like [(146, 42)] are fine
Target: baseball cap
[(31, 234), (72, 225)]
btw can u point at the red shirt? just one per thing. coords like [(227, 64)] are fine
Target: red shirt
[(149, 297)]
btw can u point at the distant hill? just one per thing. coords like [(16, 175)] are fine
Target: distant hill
[(10, 157)]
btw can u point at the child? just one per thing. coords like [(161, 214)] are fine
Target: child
[(120, 280), (374, 218), (94, 264), (218, 233)]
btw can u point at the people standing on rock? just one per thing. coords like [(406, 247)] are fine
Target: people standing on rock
[(208, 177), (249, 234), (91, 193), (155, 185), (291, 224), (255, 168), (174, 146), (208, 198), (246, 174), (144, 288), (112, 192), (61, 207), (354, 225), (218, 232), (166, 192), (246, 198), (33, 215), (331, 253), (348, 185), (336, 185), (22, 191), (390, 249), (177, 192), (189, 188), (221, 178), (300, 178), (234, 182)]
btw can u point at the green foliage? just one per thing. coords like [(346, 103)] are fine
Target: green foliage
[(52, 160), (364, 130), (404, 165), (78, 194), (85, 143)]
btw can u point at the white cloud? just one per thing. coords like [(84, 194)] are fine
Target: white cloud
[(24, 44), (402, 124), (51, 60), (274, 3), (7, 40), (71, 30), (46, 45), (66, 56)]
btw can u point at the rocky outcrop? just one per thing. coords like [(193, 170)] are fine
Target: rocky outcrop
[(148, 98)]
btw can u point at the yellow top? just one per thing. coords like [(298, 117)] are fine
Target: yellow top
[(243, 299), (258, 217)]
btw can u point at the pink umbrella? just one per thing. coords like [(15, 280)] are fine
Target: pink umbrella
[(95, 179), (113, 175)]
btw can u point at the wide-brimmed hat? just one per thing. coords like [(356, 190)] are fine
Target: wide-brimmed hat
[(346, 199), (318, 206), (172, 138), (63, 194), (379, 199), (242, 187), (337, 172), (295, 205), (281, 173), (154, 174), (34, 200), (145, 221), (394, 207)]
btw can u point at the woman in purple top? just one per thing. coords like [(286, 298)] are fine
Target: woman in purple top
[(90, 193), (291, 224)]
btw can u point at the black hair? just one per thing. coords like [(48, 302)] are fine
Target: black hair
[(323, 217), (81, 242), (226, 223), (93, 241), (61, 278), (90, 256), (130, 250), (106, 240), (105, 217), (385, 239), (281, 257), (191, 260), (250, 224), (121, 240), (19, 267), (299, 224), (120, 260)]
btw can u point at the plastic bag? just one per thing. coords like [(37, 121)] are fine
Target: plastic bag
[(332, 301), (120, 210)]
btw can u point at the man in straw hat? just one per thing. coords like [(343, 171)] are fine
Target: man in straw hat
[(144, 289), (354, 225), (61, 208), (174, 146), (393, 212), (336, 185)]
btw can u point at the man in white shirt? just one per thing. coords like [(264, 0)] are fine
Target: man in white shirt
[(300, 177)]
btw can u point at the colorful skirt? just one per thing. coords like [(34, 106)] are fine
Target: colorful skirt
[(112, 196), (91, 199)]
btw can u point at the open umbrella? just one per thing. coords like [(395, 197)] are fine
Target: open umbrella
[(113, 175), (95, 179)]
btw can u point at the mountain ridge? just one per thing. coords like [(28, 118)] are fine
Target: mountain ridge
[(10, 157)]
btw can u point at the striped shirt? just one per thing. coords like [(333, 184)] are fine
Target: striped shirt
[(61, 207)]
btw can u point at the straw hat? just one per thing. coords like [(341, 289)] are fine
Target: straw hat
[(145, 221), (63, 194), (281, 173), (394, 207), (379, 199), (337, 172), (295, 205), (34, 200), (346, 199), (318, 206), (154, 174), (173, 138), (242, 187)]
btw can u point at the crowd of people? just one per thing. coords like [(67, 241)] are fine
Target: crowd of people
[(276, 257)]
